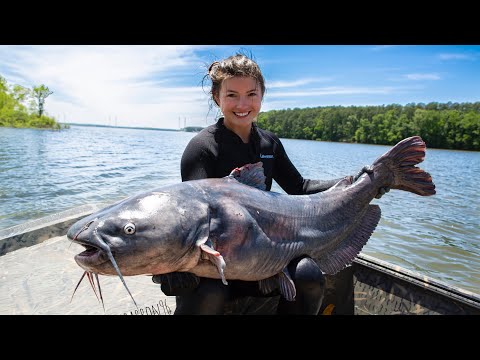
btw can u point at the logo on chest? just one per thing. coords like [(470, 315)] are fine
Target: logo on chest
[(266, 156)]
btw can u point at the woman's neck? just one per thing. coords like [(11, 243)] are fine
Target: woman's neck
[(242, 131)]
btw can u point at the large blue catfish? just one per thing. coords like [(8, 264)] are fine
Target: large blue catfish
[(231, 228)]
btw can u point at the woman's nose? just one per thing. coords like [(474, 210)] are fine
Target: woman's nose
[(243, 101)]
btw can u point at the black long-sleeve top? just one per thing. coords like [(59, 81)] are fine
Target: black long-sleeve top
[(215, 151)]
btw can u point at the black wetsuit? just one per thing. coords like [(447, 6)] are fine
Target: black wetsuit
[(214, 153)]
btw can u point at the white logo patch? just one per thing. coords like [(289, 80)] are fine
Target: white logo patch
[(266, 156)]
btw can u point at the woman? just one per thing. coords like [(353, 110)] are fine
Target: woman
[(238, 87)]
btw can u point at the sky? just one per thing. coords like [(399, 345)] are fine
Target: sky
[(162, 86)]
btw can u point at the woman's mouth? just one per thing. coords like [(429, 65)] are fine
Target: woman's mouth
[(242, 114)]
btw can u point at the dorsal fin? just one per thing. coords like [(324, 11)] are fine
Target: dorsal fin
[(250, 174)]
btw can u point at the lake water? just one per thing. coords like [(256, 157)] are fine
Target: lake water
[(43, 172)]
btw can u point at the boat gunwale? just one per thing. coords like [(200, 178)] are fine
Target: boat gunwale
[(423, 281)]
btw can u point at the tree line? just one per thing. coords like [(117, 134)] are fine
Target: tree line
[(23, 107), (441, 125)]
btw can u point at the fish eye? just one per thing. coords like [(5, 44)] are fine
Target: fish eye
[(129, 229)]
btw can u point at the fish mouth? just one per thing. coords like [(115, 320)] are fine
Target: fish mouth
[(92, 256)]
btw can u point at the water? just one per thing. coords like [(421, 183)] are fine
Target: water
[(43, 172)]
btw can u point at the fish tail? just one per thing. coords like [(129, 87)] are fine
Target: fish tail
[(401, 160)]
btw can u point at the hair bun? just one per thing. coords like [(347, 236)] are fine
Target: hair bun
[(212, 66)]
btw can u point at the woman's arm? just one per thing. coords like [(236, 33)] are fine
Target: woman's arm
[(196, 163), (291, 181)]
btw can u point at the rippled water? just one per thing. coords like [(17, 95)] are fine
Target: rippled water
[(43, 172)]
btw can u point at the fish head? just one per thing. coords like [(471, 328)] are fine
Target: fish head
[(144, 234)]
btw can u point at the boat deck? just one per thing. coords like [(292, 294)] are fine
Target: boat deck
[(40, 280)]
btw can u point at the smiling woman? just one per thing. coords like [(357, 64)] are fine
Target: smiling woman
[(238, 88)]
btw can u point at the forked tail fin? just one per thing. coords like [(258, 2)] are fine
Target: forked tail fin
[(402, 159)]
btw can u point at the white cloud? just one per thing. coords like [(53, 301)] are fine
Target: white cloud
[(422, 76), (382, 47), (294, 83), (333, 90), (160, 86), (137, 85), (455, 56)]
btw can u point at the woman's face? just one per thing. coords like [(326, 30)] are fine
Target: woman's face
[(240, 100)]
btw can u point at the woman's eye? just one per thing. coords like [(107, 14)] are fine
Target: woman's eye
[(129, 229)]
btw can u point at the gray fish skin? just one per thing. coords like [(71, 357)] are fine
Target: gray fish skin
[(256, 232)]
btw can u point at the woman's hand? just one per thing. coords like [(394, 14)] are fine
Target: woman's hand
[(177, 283), (368, 170)]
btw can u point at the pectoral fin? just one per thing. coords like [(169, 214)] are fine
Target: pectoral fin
[(205, 244), (216, 258)]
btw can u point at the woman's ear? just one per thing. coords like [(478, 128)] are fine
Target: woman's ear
[(215, 98)]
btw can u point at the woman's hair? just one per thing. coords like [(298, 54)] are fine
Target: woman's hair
[(235, 65)]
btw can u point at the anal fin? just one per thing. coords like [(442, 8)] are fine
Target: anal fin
[(345, 252), (287, 287), (268, 285), (283, 281)]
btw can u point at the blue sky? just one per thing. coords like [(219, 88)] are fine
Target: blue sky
[(161, 86)]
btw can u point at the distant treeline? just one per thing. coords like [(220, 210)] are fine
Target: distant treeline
[(118, 127), (192, 128), (441, 125), (23, 108)]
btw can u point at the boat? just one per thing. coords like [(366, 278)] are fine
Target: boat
[(375, 287), (38, 276)]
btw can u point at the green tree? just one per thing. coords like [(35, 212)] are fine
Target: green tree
[(20, 94), (441, 125), (14, 112), (3, 84), (41, 93)]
